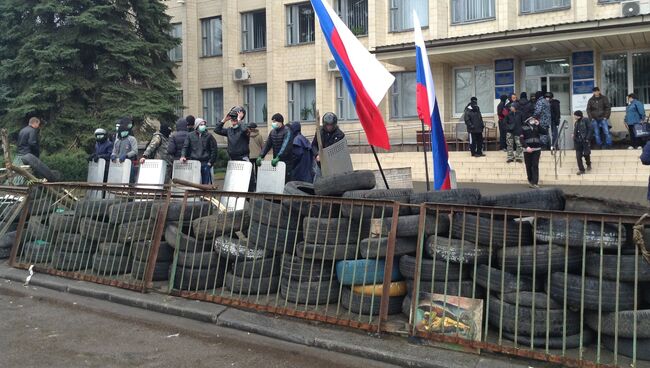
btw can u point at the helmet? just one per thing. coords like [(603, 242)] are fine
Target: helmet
[(100, 131), (330, 119), (234, 112)]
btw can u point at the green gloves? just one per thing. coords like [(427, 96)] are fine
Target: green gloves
[(258, 162), (275, 161)]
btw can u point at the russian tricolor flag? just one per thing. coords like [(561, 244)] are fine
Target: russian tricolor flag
[(427, 106), (367, 81)]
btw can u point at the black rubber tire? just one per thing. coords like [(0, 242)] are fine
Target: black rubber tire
[(336, 185), (234, 249), (595, 205), (326, 252), (330, 230), (39, 168), (557, 324), (510, 258), (71, 261), (7, 240), (467, 288), (471, 233), (98, 231), (457, 251), (74, 243), (379, 210), (193, 210), (134, 211), (625, 347), (591, 291), (625, 323), (185, 242), (467, 196), (300, 269), (106, 264), (368, 304), (5, 253), (371, 248), (41, 204), (257, 268), (252, 285), (592, 238), (64, 222), (187, 279), (223, 224), (36, 253), (136, 231), (37, 230), (407, 269), (274, 213), (570, 342), (510, 284), (115, 249), (160, 270), (610, 262), (199, 260), (525, 299), (551, 199), (307, 206), (409, 226), (140, 251), (309, 292), (273, 239), (96, 208)]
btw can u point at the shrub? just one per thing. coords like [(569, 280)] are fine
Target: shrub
[(71, 164)]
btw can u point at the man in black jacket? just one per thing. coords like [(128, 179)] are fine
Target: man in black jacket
[(582, 134), (280, 141), (555, 119), (28, 140), (238, 134), (531, 136), (329, 133), (513, 123), (526, 107), (475, 126), (201, 146)]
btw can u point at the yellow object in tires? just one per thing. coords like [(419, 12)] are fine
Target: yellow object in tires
[(397, 288)]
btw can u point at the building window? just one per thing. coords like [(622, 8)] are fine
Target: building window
[(402, 99), (255, 104), (212, 105), (211, 37), (617, 81), (355, 15), (300, 24), (345, 109), (253, 31), (179, 108), (302, 100), (537, 6), (465, 11), (476, 81), (176, 54), (401, 14)]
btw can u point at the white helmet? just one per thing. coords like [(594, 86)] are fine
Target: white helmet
[(100, 131)]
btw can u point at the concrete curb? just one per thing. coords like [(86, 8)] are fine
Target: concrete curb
[(387, 349)]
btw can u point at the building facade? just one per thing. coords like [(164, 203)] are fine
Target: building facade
[(480, 48)]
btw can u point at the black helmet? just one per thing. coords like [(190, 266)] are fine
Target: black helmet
[(235, 111), (330, 119)]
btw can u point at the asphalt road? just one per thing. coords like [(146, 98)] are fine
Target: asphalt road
[(37, 330)]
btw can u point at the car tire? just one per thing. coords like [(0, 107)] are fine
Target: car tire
[(273, 239), (134, 211), (36, 252), (577, 234), (540, 322), (467, 196), (364, 272), (198, 280), (608, 297), (98, 231), (114, 249), (551, 199), (140, 251), (106, 264), (456, 251), (469, 231), (568, 342), (627, 272), (71, 261), (231, 250), (330, 230), (534, 259), (309, 292), (336, 185), (626, 327), (160, 270), (64, 222), (625, 347), (306, 206), (263, 285), (257, 268), (178, 238), (431, 270), (136, 231), (274, 213), (409, 226), (326, 252), (372, 248), (510, 283), (302, 269), (223, 224), (368, 304)]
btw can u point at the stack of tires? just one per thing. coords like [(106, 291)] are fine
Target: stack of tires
[(37, 239), (7, 209), (307, 281), (140, 252), (72, 251)]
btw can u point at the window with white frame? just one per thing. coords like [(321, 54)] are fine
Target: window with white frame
[(474, 81), (626, 72), (212, 105), (402, 98), (176, 54), (355, 15), (401, 14), (300, 24), (178, 109), (466, 11), (255, 103), (253, 30), (345, 109), (537, 6), (302, 100), (211, 37)]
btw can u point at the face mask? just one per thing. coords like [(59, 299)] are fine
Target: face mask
[(274, 125), (100, 137), (124, 134), (202, 128)]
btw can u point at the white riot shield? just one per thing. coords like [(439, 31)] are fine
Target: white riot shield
[(336, 159), (399, 178), (189, 171), (96, 175), (271, 179), (118, 173), (238, 177), (152, 172)]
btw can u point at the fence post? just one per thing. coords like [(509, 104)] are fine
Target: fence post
[(388, 267), (155, 244), (19, 231)]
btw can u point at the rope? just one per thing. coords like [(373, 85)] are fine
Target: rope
[(639, 230)]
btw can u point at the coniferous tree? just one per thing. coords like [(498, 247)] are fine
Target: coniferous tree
[(82, 64)]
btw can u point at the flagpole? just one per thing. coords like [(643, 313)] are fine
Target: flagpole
[(424, 149), (379, 164)]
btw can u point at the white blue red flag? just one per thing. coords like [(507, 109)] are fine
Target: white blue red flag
[(367, 81), (427, 106)]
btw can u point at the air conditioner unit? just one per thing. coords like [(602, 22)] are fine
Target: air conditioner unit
[(634, 8), (331, 66), (241, 75)]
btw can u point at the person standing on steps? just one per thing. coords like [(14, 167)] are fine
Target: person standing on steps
[(543, 115), (582, 134), (526, 108), (514, 122), (475, 126), (531, 136), (599, 110), (555, 120), (281, 142), (634, 114), (503, 109), (238, 134), (201, 146)]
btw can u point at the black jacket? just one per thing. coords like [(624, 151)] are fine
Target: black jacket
[(599, 107), (531, 135), (177, 139), (328, 138), (473, 119), (555, 112), (28, 141), (281, 142), (238, 140), (514, 121), (201, 147), (526, 108), (582, 132)]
